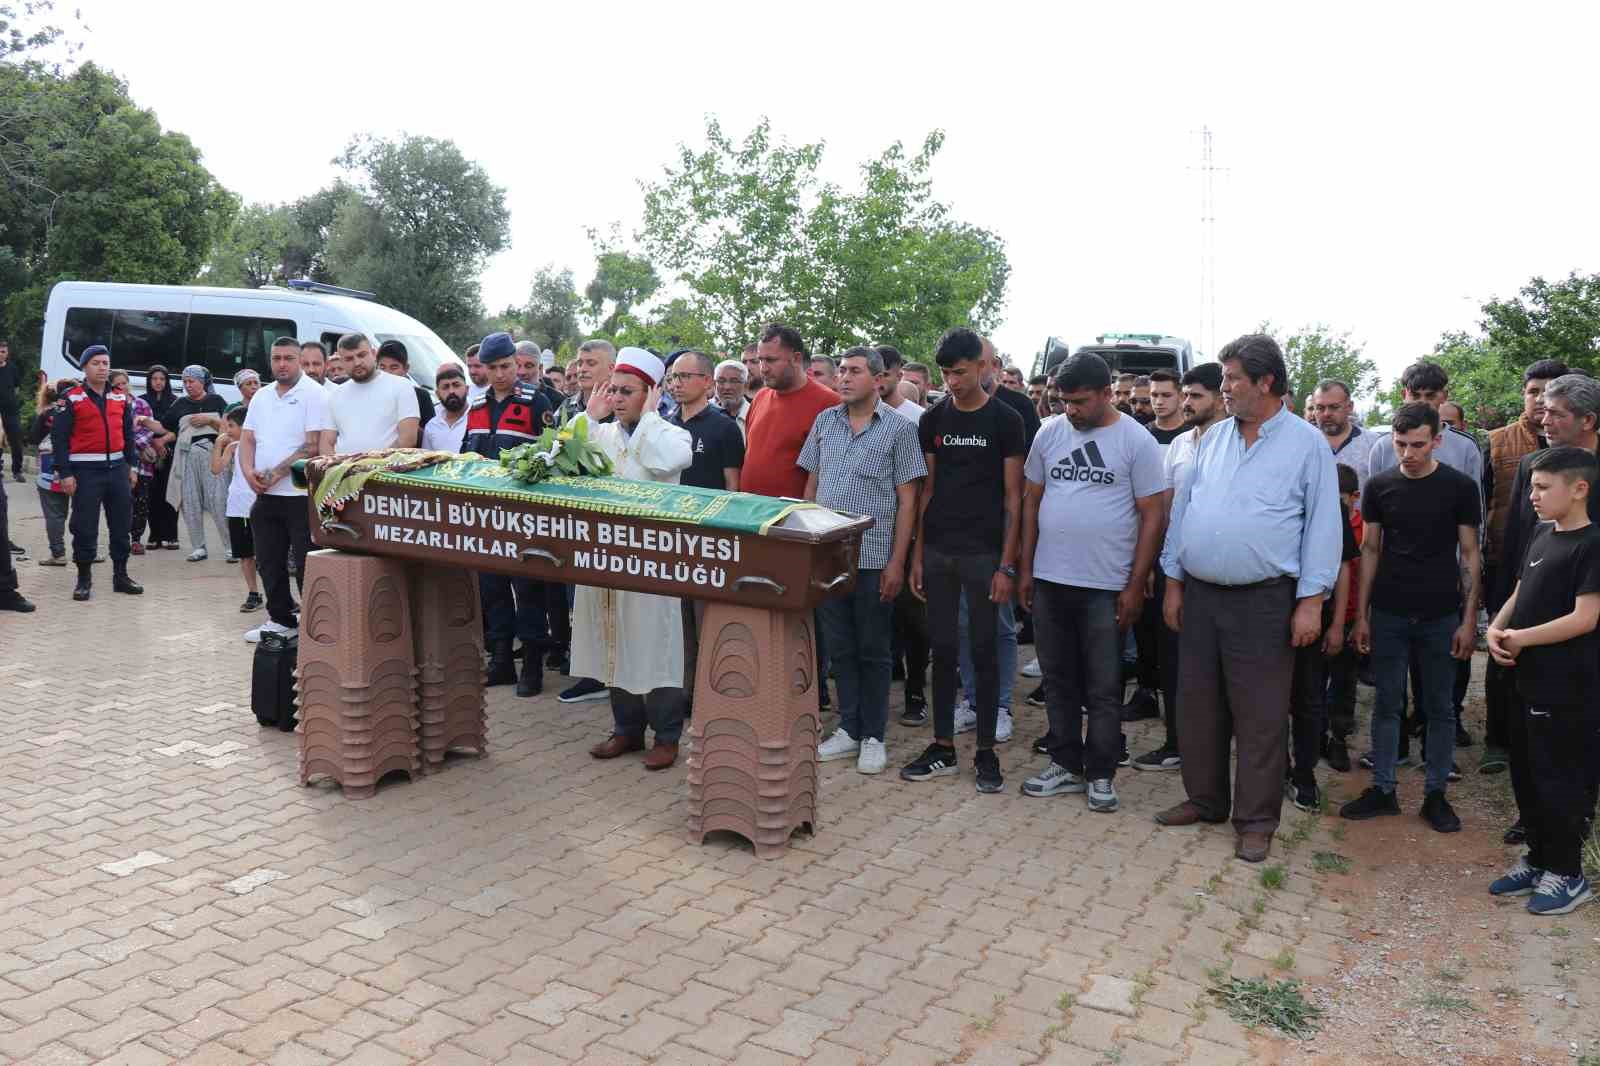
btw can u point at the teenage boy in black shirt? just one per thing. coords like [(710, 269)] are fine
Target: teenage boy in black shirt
[(1419, 552), (1546, 630), (968, 542)]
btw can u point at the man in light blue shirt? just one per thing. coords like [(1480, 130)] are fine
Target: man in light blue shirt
[(1252, 551)]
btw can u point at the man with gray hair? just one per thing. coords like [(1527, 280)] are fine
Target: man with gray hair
[(530, 371), (1331, 410), (592, 366), (729, 383)]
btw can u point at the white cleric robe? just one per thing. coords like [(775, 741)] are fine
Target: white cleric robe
[(632, 640)]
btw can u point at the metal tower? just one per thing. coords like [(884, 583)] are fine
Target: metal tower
[(1207, 336)]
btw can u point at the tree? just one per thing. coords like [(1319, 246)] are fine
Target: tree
[(551, 317), (252, 251), (1316, 353), (94, 189), (752, 234), (417, 229)]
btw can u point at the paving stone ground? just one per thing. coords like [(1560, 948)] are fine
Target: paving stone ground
[(169, 892)]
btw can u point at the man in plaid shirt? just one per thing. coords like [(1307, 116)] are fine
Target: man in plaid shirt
[(863, 458)]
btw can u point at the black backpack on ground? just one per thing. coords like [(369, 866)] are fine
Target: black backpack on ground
[(272, 680)]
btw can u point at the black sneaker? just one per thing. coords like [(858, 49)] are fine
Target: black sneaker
[(586, 689), (936, 761), (1124, 759), (1141, 705), (1163, 758), (1365, 762), (17, 549), (1517, 834), (1337, 755), (1304, 797), (1370, 804), (987, 763), (252, 602), (1036, 697), (915, 712), (1437, 812), (556, 658), (1043, 745), (1463, 738)]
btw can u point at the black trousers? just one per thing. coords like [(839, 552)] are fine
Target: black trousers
[(8, 570), (1551, 751), (944, 577), (1167, 653), (280, 526), (163, 516), (514, 607), (13, 426), (558, 615), (101, 487), (1308, 707), (1341, 697), (911, 632)]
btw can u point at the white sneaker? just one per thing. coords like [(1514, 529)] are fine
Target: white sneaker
[(966, 717), (198, 555), (873, 757), (1002, 726), (839, 746), (1055, 780), (254, 635), (1102, 796), (1032, 669)]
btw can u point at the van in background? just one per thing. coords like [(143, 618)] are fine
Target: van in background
[(223, 330), (1132, 353)]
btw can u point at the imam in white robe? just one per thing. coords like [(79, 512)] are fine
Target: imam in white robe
[(633, 640)]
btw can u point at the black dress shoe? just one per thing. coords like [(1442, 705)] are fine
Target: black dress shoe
[(531, 683), (16, 601), (1338, 755), (121, 582)]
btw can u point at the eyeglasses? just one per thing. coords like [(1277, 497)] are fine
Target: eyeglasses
[(685, 375), (620, 390)]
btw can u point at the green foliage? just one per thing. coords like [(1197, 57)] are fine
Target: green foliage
[(565, 450), (1316, 353), (418, 229), (621, 283), (251, 252), (1330, 862), (1259, 1001), (92, 188), (1272, 877), (23, 29), (551, 317), (754, 235), (1448, 1002)]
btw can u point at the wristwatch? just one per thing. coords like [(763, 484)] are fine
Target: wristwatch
[(1009, 571)]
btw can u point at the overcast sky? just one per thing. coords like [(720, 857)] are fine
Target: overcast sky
[(1387, 166)]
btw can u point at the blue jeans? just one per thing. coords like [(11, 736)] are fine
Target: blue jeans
[(1395, 639), (857, 631), (1005, 643)]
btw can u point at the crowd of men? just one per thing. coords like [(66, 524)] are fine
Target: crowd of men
[(1252, 563)]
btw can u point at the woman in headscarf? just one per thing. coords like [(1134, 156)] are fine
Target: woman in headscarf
[(192, 424), (163, 516), (248, 382), (145, 431)]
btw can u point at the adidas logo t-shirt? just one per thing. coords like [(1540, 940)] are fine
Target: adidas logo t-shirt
[(1088, 524)]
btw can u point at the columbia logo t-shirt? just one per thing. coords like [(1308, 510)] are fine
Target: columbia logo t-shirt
[(1088, 524)]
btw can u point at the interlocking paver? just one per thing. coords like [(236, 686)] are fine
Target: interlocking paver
[(171, 893)]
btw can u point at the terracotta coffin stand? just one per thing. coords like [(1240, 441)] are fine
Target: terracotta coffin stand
[(367, 623), (753, 738)]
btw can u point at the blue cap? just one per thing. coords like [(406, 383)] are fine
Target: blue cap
[(495, 347), (94, 350)]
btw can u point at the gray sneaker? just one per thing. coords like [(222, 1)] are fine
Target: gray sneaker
[(1102, 796), (1055, 780)]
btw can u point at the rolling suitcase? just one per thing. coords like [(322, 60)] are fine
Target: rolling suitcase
[(272, 681)]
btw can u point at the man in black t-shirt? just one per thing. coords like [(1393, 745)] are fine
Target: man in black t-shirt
[(1419, 554), (968, 545), (1547, 631)]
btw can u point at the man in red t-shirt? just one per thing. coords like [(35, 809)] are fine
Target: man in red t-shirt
[(781, 415)]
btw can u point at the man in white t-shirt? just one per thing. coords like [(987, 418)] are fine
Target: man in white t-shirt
[(371, 410), (449, 427), (1091, 526), (889, 385), (286, 422)]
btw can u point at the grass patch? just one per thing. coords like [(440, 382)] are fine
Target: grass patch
[(1511, 992), (1437, 1000), (1338, 830), (1330, 862), (1450, 973), (1589, 1060), (1559, 930), (1275, 1004), (1273, 877), (1591, 869), (1066, 1001), (1195, 905), (1260, 905), (1284, 960)]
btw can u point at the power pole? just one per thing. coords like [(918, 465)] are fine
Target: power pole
[(1207, 337)]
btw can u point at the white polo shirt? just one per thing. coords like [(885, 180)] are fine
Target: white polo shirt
[(280, 424), (441, 436), (367, 413)]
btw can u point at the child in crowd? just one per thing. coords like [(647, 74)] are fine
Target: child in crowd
[(52, 500), (241, 497), (1342, 661), (1546, 630)]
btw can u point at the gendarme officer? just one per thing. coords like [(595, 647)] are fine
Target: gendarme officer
[(509, 414), (95, 457)]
